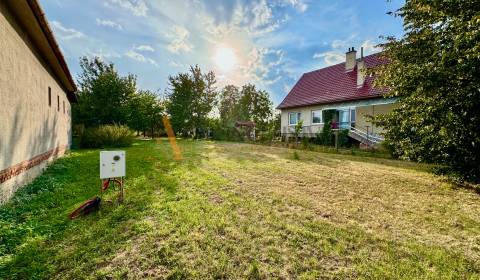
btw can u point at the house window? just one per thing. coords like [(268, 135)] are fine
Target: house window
[(293, 118), (58, 103), (353, 116), (317, 117), (49, 96), (344, 117)]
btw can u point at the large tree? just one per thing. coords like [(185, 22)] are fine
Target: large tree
[(434, 71), (191, 98), (229, 105), (104, 95), (255, 105), (146, 112)]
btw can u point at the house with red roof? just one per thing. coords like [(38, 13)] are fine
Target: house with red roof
[(345, 91)]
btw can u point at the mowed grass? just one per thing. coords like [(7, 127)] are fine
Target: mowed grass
[(240, 211)]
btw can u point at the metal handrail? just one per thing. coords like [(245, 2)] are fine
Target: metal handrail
[(369, 137)]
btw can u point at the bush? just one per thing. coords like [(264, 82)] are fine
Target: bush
[(107, 136), (228, 134), (296, 156), (343, 140)]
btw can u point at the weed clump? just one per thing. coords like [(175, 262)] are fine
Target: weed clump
[(296, 156)]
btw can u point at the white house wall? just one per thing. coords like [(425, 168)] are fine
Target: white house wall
[(31, 132), (363, 109)]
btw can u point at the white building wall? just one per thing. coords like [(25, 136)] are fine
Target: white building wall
[(31, 131), (363, 109)]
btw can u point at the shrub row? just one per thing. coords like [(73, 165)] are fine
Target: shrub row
[(107, 136)]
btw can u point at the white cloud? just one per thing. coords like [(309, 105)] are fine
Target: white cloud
[(140, 57), (262, 64), (300, 5), (179, 40), (176, 64), (103, 54), (340, 44), (137, 7), (145, 48), (108, 23), (64, 32), (262, 14), (255, 19), (339, 47), (330, 57), (370, 47)]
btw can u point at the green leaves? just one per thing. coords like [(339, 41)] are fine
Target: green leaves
[(191, 98), (435, 72), (104, 94)]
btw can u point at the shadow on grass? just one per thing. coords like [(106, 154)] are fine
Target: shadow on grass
[(37, 238)]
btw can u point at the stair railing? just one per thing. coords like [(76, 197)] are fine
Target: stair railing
[(376, 139)]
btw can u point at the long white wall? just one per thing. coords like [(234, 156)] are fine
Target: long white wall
[(29, 126)]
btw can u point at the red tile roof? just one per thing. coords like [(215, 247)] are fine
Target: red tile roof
[(332, 84)]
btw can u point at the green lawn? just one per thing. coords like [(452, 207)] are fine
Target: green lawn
[(242, 211)]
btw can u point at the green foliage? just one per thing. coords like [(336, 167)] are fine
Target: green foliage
[(249, 103), (225, 133), (295, 155), (145, 112), (103, 96), (298, 128), (435, 74), (229, 105), (343, 139), (254, 271), (326, 137), (107, 136), (191, 98), (255, 105), (273, 129), (306, 143)]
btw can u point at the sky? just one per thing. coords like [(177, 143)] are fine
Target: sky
[(269, 43)]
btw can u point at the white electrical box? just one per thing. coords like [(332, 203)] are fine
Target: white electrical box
[(112, 164)]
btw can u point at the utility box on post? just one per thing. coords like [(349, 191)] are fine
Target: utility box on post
[(112, 164)]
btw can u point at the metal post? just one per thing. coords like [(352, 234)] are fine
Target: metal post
[(336, 140)]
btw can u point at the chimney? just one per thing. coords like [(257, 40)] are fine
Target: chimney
[(351, 57), (361, 70)]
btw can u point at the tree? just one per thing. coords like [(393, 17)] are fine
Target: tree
[(434, 71), (229, 105), (146, 112), (298, 130), (255, 105), (103, 94), (191, 98)]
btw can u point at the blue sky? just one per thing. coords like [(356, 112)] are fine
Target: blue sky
[(270, 43)]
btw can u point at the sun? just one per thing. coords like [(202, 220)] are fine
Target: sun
[(225, 58)]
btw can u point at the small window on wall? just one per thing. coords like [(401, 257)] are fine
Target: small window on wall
[(64, 106), (293, 118), (317, 117), (58, 103), (353, 116), (49, 97)]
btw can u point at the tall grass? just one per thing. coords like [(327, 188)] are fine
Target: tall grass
[(107, 136)]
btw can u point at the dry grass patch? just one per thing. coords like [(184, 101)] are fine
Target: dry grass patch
[(237, 211)]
